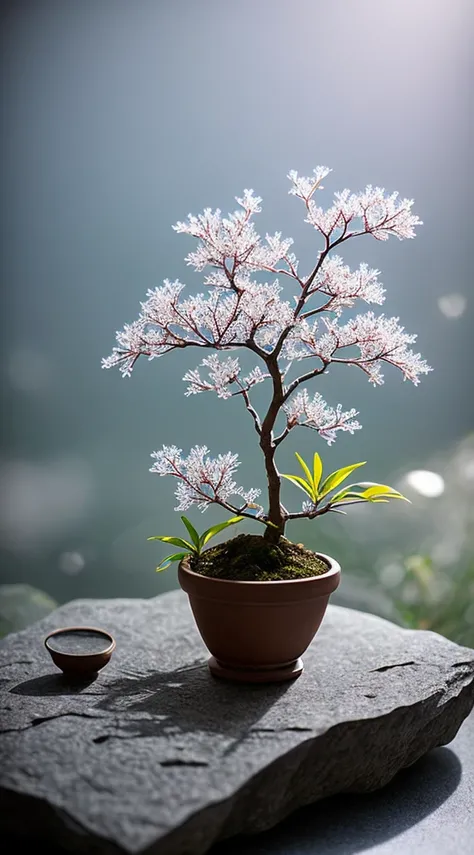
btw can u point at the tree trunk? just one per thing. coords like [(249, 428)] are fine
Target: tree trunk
[(273, 532)]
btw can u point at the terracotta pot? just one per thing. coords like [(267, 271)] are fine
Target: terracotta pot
[(257, 631)]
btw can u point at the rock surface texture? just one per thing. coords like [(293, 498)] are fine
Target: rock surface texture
[(157, 756)]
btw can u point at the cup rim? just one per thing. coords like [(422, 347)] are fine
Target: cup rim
[(96, 629)]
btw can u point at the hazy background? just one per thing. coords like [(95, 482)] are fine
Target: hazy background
[(120, 117)]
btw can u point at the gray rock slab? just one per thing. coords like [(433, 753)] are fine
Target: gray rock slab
[(157, 756)]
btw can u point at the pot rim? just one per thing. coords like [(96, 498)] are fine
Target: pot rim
[(333, 570)]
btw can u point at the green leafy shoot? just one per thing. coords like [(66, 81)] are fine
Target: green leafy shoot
[(195, 545), (310, 484), (335, 478), (372, 492), (352, 494)]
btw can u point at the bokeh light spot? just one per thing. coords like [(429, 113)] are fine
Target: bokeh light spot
[(392, 574), (426, 483), (452, 305), (71, 563)]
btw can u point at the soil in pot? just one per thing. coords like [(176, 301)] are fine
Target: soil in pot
[(251, 558)]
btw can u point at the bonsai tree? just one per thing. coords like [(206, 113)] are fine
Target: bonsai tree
[(239, 311)]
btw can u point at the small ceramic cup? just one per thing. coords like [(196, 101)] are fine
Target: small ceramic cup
[(80, 651)]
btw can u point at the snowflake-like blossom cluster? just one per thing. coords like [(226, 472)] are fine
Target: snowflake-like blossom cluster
[(202, 480), (315, 413), (377, 338), (254, 314), (344, 286), (233, 239), (222, 374), (370, 212), (305, 187)]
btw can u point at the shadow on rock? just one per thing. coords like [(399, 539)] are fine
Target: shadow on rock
[(348, 823), (53, 684), (187, 699)]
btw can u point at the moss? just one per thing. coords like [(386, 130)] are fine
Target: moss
[(250, 558)]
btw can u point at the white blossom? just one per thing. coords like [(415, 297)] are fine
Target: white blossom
[(202, 480), (223, 319), (278, 248), (316, 414), (384, 215), (232, 239), (305, 187), (306, 340), (222, 373), (292, 262), (249, 202), (370, 212), (256, 375), (337, 280), (378, 339)]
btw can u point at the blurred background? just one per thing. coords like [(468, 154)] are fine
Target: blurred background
[(120, 117)]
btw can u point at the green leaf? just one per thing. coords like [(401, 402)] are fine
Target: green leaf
[(191, 531), (304, 467), (177, 556), (337, 477), (211, 532), (376, 491), (346, 496), (338, 497), (301, 483), (373, 489), (317, 472), (175, 541), (385, 497)]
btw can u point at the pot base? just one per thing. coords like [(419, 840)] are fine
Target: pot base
[(254, 675)]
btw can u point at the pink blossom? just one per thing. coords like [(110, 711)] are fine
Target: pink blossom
[(231, 243), (223, 374), (378, 339), (316, 414), (202, 480), (304, 188), (336, 280), (222, 320), (371, 211)]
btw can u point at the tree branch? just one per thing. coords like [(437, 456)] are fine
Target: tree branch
[(307, 285), (309, 515), (304, 377), (256, 418), (283, 435), (241, 512), (324, 308)]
